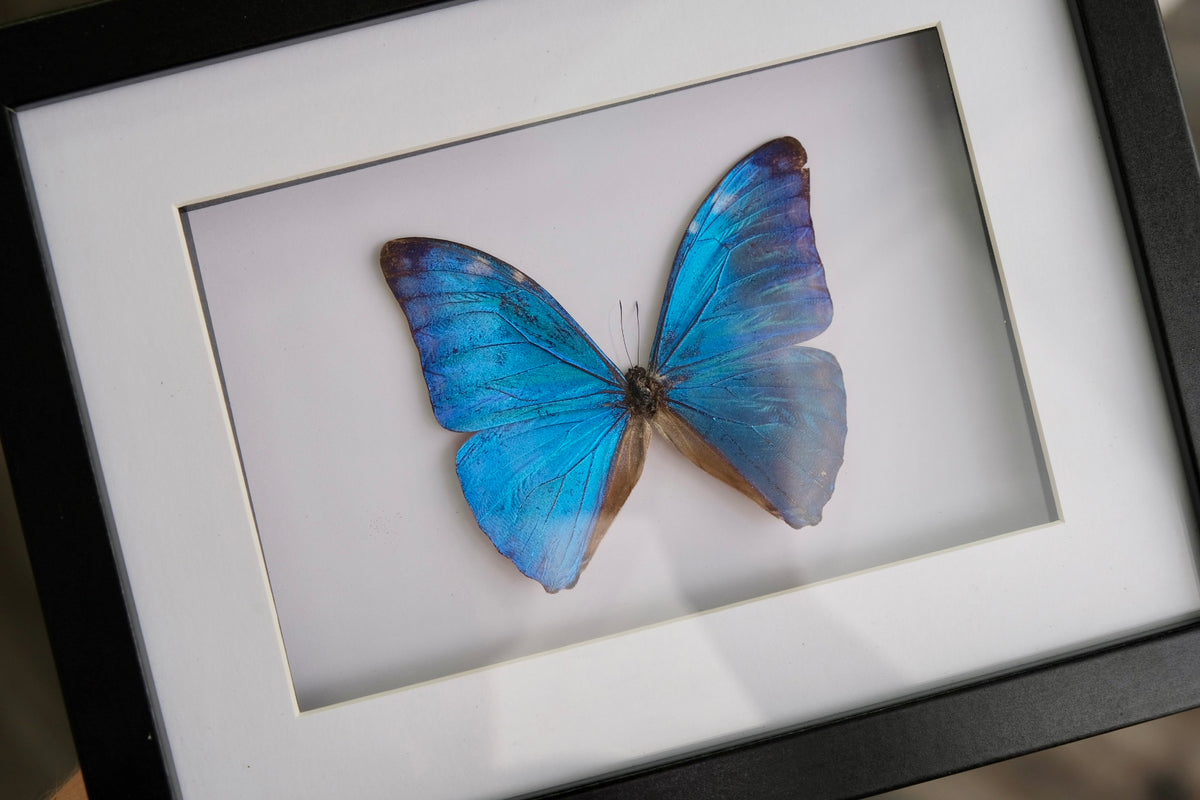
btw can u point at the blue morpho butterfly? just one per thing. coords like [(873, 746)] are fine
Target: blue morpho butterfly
[(560, 434)]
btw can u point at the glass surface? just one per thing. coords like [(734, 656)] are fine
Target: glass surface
[(380, 575)]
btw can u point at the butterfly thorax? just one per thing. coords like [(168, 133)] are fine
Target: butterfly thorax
[(643, 392)]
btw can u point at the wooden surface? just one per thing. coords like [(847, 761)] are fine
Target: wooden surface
[(73, 789)]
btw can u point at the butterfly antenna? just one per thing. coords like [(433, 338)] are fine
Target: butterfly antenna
[(624, 341), (637, 315)]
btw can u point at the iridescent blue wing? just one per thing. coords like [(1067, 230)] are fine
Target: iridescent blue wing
[(773, 427), (745, 401), (556, 455), (495, 347), (545, 490)]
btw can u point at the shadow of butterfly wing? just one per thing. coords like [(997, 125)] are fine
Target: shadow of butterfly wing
[(555, 453), (745, 401)]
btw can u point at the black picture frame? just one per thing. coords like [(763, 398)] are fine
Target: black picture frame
[(62, 508)]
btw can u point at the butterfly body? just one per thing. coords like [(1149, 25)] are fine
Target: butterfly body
[(560, 433), (643, 392)]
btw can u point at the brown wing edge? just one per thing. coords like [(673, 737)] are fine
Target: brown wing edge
[(627, 466), (706, 457)]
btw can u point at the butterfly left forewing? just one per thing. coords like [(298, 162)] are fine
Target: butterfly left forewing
[(495, 347)]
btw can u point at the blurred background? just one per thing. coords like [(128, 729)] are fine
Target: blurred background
[(1158, 760)]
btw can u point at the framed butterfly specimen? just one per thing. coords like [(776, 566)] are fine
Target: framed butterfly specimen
[(563, 432), (259, 566), (591, 207)]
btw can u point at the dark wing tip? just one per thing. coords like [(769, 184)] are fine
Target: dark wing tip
[(400, 255), (784, 154)]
